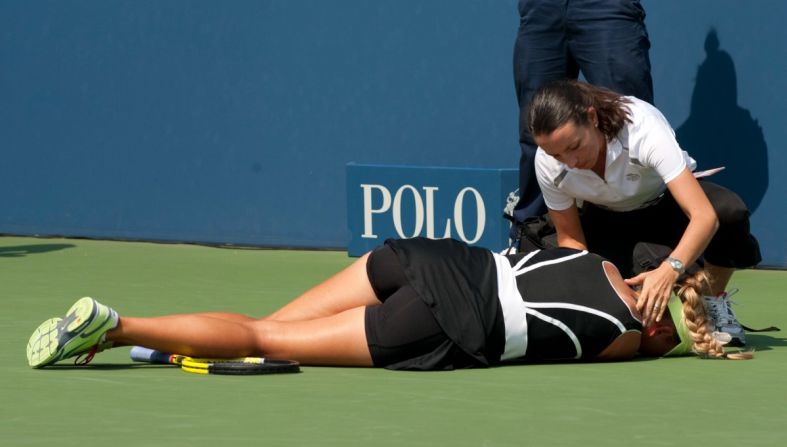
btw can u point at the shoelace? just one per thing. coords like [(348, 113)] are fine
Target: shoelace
[(88, 357), (715, 313), (721, 309), (725, 303)]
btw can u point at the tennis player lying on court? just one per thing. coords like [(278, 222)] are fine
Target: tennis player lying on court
[(418, 304)]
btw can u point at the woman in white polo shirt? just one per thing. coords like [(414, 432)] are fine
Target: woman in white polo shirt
[(616, 158)]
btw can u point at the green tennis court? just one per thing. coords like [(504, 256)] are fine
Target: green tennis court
[(678, 401)]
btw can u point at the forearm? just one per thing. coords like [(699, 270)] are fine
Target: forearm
[(702, 217), (569, 228), (696, 238)]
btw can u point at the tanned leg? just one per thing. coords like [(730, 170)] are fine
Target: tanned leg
[(719, 277), (323, 326), (336, 340), (347, 289)]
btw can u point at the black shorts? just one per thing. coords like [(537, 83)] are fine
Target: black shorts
[(402, 332)]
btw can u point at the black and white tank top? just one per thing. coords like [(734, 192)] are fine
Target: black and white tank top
[(559, 304)]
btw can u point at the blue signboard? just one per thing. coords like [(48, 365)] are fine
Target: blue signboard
[(435, 202)]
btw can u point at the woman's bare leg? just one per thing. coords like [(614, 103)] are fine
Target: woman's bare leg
[(338, 340), (719, 277), (332, 332), (347, 289), (335, 340), (227, 316)]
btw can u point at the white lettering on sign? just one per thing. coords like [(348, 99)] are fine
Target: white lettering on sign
[(418, 207), (368, 211), (377, 200), (480, 215)]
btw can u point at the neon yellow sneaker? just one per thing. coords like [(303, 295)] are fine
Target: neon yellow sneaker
[(82, 330)]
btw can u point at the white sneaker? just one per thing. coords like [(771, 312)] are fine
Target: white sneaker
[(720, 311)]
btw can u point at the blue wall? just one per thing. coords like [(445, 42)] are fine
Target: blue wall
[(232, 122)]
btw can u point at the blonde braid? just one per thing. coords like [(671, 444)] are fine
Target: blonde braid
[(697, 322)]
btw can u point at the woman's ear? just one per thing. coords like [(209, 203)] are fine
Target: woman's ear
[(593, 116)]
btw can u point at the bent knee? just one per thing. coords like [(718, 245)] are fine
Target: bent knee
[(733, 212), (730, 208)]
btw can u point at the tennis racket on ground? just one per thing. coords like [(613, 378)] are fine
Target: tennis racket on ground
[(239, 367), (243, 366)]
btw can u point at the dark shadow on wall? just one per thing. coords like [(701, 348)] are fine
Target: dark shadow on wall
[(719, 132)]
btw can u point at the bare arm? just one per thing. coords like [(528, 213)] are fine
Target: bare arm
[(657, 284), (626, 345), (703, 222), (623, 348), (569, 228)]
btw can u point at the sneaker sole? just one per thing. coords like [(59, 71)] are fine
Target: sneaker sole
[(42, 346)]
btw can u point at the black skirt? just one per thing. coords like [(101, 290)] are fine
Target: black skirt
[(459, 285)]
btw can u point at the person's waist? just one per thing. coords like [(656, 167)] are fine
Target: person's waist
[(643, 205), (513, 308)]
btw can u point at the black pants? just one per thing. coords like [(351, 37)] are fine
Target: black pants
[(613, 234)]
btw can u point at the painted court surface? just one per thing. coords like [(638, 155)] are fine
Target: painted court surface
[(683, 401)]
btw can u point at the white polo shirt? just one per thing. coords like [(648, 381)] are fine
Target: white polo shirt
[(642, 158)]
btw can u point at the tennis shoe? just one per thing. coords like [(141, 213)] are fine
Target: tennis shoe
[(720, 311), (82, 331)]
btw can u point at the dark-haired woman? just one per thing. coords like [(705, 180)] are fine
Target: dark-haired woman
[(617, 157)]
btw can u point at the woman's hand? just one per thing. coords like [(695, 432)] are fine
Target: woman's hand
[(656, 289), (657, 284)]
